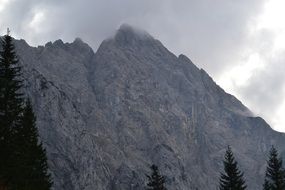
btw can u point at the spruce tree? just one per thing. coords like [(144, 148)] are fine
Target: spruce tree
[(11, 101), (266, 185), (232, 178), (33, 171), (275, 173), (155, 180), (23, 162)]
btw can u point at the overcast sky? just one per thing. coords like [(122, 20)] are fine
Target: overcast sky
[(240, 43)]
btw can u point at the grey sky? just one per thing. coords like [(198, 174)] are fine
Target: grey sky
[(240, 43)]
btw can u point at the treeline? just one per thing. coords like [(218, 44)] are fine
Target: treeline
[(23, 162), (232, 178)]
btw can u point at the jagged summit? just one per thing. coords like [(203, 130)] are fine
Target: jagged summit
[(59, 43), (128, 34), (137, 45), (78, 40)]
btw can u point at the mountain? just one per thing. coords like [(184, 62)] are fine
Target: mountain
[(106, 116)]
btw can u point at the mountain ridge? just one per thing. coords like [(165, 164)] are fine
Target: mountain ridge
[(106, 116)]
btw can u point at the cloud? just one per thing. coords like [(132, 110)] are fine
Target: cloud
[(262, 81), (264, 91), (204, 29), (240, 43)]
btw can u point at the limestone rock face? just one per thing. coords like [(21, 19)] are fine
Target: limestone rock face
[(105, 117)]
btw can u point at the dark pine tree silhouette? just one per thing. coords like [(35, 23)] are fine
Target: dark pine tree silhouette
[(275, 173), (232, 178), (155, 180), (266, 185), (33, 171), (23, 162), (11, 101)]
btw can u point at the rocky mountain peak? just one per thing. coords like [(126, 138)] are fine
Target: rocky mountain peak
[(128, 35), (105, 117), (59, 43), (80, 44), (129, 32)]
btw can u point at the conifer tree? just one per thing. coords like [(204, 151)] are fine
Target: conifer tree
[(232, 178), (155, 180), (33, 170), (23, 162), (11, 101), (275, 173), (266, 185)]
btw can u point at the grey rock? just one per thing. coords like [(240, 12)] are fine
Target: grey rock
[(105, 117)]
